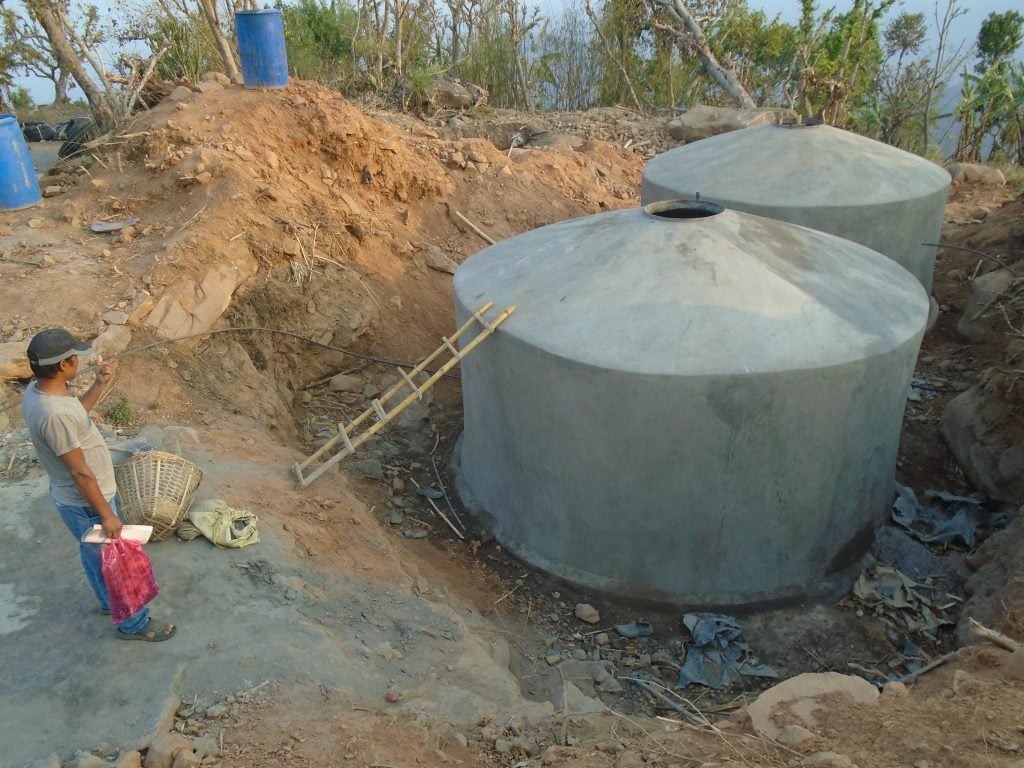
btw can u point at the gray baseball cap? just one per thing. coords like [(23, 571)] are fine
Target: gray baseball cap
[(51, 346)]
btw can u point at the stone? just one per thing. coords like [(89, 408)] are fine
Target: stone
[(476, 157), (87, 760), (980, 429), (794, 735), (180, 94), (140, 306), (191, 306), (979, 320), (217, 77), (344, 382), (629, 759), (53, 191), (163, 748), (503, 746), (827, 760), (440, 261), (555, 755), (291, 247), (976, 173), (553, 658), (585, 612), (446, 93), (894, 690), (966, 684), (209, 86), (398, 485), (800, 694), (702, 121), (366, 468), (114, 340), (186, 758), (602, 639), (114, 317), (270, 158), (14, 360), (216, 711), (131, 759)]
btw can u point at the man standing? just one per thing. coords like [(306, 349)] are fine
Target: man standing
[(75, 456)]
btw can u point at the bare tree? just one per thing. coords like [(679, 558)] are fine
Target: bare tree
[(689, 35), (944, 62), (611, 54), (54, 22), (114, 97), (33, 53), (209, 9), (521, 23)]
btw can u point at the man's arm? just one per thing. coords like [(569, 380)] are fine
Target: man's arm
[(104, 375), (85, 482)]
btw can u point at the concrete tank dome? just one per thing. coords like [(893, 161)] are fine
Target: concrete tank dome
[(816, 176), (689, 404)]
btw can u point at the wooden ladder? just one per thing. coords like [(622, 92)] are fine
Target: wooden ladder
[(347, 438)]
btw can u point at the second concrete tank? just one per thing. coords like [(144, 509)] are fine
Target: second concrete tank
[(816, 176), (689, 404)]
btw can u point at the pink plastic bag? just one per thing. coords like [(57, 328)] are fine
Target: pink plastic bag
[(128, 574)]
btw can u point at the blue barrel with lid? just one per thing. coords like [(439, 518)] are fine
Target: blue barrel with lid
[(18, 185), (261, 48)]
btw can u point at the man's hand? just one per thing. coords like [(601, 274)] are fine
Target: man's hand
[(112, 527), (105, 370)]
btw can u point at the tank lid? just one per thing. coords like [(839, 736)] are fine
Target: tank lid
[(776, 166), (725, 292)]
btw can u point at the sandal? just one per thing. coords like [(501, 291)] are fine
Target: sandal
[(150, 635)]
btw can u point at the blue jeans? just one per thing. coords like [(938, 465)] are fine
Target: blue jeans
[(79, 520)]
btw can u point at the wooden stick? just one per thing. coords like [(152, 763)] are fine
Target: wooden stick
[(666, 700), (475, 228), (926, 668), (444, 517), (448, 501), (996, 638)]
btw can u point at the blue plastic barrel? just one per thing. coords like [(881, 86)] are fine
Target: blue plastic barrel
[(261, 48), (18, 185)]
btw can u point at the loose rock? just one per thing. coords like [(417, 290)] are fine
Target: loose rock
[(794, 735), (163, 749), (587, 613), (343, 382)]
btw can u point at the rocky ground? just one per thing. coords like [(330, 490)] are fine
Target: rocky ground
[(298, 212)]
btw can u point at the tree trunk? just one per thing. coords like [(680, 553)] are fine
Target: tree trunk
[(60, 85), (70, 61), (692, 34), (209, 10)]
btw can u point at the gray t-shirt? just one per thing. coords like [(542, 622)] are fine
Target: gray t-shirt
[(60, 424)]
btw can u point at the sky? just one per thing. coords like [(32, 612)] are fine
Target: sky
[(965, 27)]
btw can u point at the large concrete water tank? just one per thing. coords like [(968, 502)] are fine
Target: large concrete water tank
[(817, 176), (689, 404)]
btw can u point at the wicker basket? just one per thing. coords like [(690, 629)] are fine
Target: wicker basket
[(156, 489)]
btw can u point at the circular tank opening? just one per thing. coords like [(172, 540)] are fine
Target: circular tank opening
[(683, 209)]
